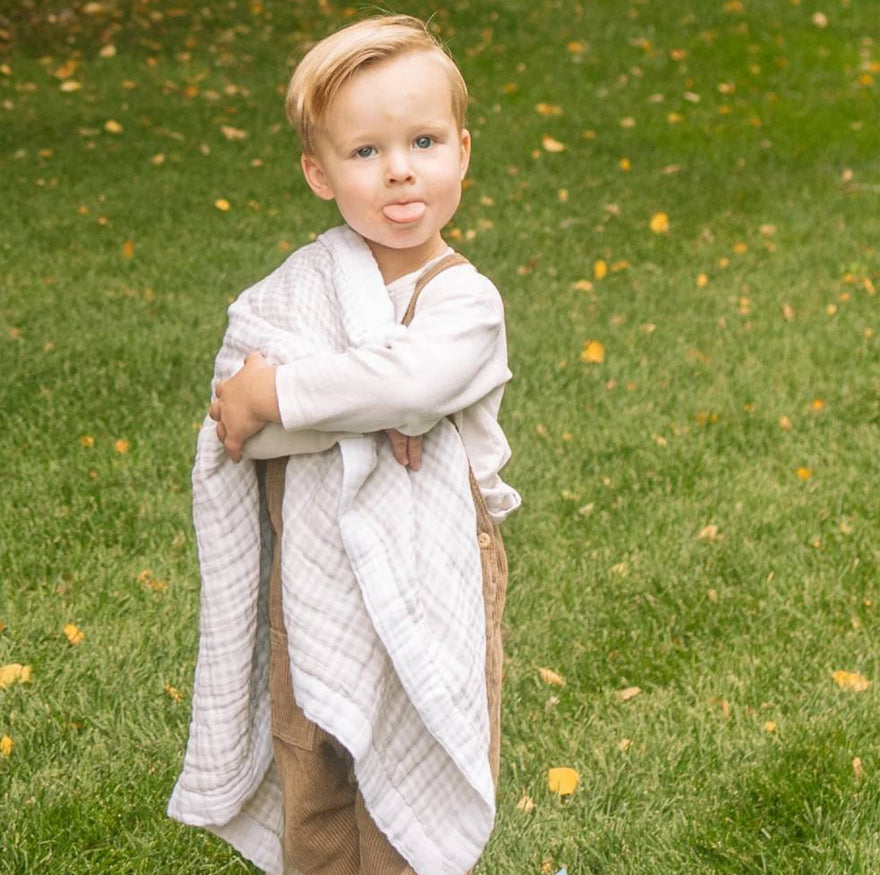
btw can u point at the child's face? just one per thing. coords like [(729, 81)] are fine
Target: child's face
[(392, 156)]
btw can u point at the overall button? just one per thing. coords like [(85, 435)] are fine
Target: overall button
[(484, 539)]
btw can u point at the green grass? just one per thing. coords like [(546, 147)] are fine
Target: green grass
[(621, 464)]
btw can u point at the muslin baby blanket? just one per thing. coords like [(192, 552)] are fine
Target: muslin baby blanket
[(382, 599)]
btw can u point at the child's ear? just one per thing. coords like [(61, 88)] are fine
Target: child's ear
[(315, 177), (465, 153)]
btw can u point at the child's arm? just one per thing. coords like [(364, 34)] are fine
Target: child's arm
[(453, 354), (243, 408)]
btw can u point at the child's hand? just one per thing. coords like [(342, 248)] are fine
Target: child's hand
[(244, 404), (407, 450)]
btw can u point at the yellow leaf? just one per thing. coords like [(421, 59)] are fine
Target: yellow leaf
[(660, 223), (629, 693), (820, 19), (112, 127), (851, 680), (551, 145), (576, 47), (173, 693), (857, 768), (770, 727), (222, 204), (87, 440), (804, 473), (121, 446), (14, 673), (548, 109), (675, 118), (232, 133), (128, 249), (70, 85), (702, 281), (583, 286), (563, 781), (108, 51), (593, 353), (6, 745), (817, 404), (2, 627), (74, 634), (625, 165), (624, 744), (157, 159), (740, 248), (551, 677), (708, 533), (785, 423), (600, 269)]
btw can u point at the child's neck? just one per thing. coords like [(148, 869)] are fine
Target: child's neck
[(395, 263)]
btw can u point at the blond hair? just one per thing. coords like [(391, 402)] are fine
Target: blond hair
[(329, 64)]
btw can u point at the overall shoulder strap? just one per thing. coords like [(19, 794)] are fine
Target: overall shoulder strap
[(448, 261)]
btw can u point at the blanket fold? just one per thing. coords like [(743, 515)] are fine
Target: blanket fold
[(382, 600)]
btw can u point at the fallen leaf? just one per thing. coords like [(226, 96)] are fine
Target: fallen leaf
[(233, 133), (121, 446), (660, 223), (112, 126), (14, 673), (708, 533), (817, 404), (222, 204), (74, 634), (70, 85), (820, 19), (770, 727), (107, 51), (128, 249), (562, 781), (593, 353), (548, 109), (857, 768), (624, 744), (551, 145), (851, 680), (2, 627), (173, 693), (702, 281), (804, 473), (87, 441), (583, 286), (625, 164), (6, 745), (629, 693), (525, 804), (551, 677), (785, 423)]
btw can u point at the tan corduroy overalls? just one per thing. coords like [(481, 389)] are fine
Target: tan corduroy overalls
[(327, 828)]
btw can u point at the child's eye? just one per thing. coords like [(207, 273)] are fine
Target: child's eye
[(424, 142), (365, 152)]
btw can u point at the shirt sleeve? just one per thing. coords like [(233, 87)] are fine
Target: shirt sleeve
[(452, 355)]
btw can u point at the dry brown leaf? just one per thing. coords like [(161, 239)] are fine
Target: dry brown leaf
[(551, 677), (629, 693)]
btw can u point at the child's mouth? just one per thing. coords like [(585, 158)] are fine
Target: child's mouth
[(405, 213)]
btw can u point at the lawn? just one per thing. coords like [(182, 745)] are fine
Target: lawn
[(680, 202)]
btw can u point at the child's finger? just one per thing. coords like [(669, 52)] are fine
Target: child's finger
[(398, 445), (414, 452)]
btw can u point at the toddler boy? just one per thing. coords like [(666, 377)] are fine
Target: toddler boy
[(346, 703)]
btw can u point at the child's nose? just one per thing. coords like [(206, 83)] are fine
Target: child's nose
[(398, 169)]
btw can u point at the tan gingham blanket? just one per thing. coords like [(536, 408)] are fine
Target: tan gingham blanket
[(382, 600)]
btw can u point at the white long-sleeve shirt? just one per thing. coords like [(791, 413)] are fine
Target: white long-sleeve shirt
[(450, 360)]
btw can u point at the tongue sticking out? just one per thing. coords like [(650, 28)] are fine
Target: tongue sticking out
[(405, 212)]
